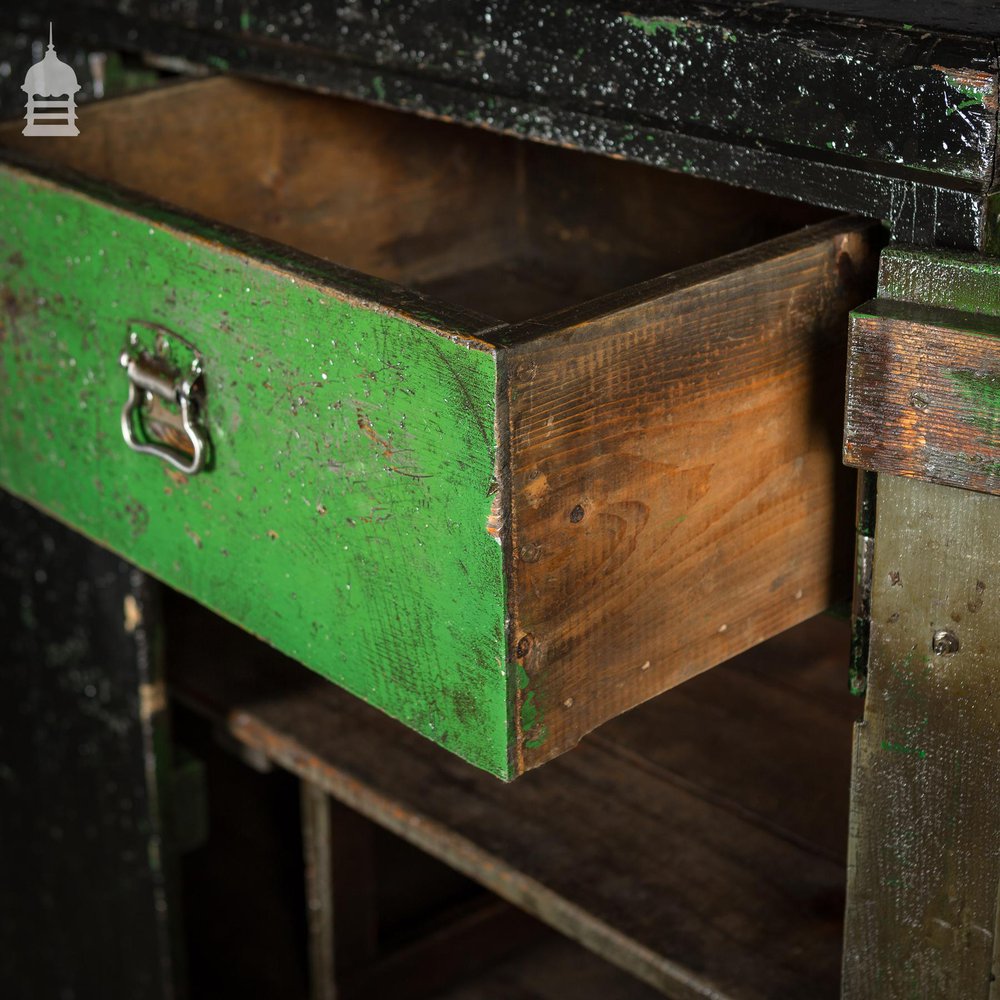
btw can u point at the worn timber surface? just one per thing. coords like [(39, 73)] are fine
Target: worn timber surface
[(86, 896), (923, 390), (553, 970), (677, 495), (924, 868), (324, 470), (891, 118), (697, 842)]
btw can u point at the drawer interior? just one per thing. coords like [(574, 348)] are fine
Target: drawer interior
[(505, 227)]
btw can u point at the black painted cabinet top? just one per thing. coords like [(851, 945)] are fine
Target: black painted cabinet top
[(967, 17), (838, 103)]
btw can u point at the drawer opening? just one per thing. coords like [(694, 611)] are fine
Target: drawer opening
[(508, 228)]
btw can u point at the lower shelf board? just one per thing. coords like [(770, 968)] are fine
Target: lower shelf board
[(555, 970), (697, 842)]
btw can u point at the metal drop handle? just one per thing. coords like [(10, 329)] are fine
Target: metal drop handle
[(153, 375)]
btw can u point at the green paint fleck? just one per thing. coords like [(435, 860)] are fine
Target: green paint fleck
[(652, 26), (218, 62), (973, 96), (378, 85), (903, 748), (530, 714), (982, 390)]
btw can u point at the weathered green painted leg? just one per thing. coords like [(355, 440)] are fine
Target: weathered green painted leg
[(85, 906), (924, 863)]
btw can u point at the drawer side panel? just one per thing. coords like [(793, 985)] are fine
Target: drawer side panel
[(345, 516), (677, 489)]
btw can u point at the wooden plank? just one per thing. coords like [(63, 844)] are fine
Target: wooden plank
[(923, 396), (500, 227), (924, 870), (387, 194), (676, 489), (921, 391), (711, 891), (455, 947), (873, 118), (553, 970), (87, 889), (317, 856), (340, 891), (348, 509), (795, 678)]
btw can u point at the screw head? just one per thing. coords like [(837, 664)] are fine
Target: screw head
[(944, 643)]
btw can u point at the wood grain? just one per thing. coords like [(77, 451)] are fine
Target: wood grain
[(923, 394), (924, 867), (501, 227), (703, 883), (676, 488), (370, 189)]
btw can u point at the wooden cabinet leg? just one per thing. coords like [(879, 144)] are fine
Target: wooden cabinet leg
[(85, 907), (924, 862)]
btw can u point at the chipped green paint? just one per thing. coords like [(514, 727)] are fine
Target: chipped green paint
[(982, 390), (344, 519), (531, 716), (652, 26), (378, 85), (973, 96)]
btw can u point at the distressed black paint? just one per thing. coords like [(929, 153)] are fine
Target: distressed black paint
[(83, 896), (884, 120)]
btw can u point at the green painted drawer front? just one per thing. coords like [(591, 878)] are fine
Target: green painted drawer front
[(503, 532), (345, 519)]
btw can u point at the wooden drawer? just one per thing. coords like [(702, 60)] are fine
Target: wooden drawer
[(503, 438)]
